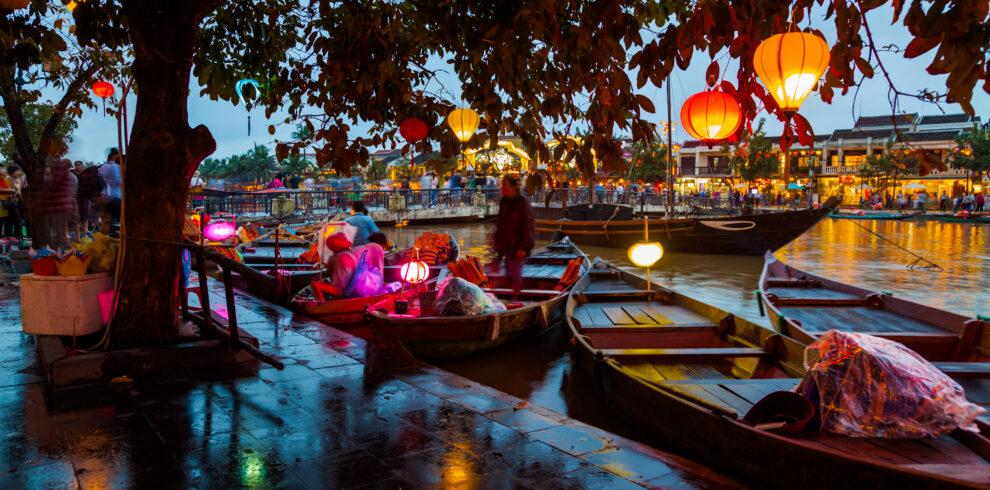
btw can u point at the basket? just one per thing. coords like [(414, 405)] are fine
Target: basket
[(426, 301), (45, 266)]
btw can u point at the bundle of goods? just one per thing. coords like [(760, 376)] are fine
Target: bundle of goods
[(459, 297), (433, 248), (103, 250), (866, 386), (470, 269), (571, 274)]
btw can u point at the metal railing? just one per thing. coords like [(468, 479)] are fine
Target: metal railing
[(332, 201)]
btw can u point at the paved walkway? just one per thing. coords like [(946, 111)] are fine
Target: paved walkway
[(334, 418)]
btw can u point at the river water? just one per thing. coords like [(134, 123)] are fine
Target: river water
[(539, 370)]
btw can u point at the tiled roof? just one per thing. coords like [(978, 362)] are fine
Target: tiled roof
[(888, 120), (946, 119), (856, 134), (933, 135)]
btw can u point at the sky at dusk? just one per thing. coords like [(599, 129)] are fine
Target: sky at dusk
[(228, 123)]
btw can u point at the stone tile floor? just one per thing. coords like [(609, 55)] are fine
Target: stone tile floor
[(335, 417)]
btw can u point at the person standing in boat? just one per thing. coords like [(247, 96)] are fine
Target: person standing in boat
[(514, 230), (364, 224)]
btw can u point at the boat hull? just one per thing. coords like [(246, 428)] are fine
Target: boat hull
[(876, 216), (733, 235)]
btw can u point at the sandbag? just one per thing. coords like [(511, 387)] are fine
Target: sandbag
[(459, 297), (868, 386)]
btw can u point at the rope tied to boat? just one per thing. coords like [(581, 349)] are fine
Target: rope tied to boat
[(918, 258), (759, 303)]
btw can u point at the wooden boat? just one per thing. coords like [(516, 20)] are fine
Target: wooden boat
[(686, 372), (741, 235), (436, 338), (348, 313), (977, 219), (877, 216), (802, 305)]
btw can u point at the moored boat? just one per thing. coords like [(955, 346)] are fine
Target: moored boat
[(741, 235), (538, 307), (974, 218), (802, 305), (686, 373), (877, 216)]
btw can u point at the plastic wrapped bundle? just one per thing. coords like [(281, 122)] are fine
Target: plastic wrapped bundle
[(458, 297), (873, 387)]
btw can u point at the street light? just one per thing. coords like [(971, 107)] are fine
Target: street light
[(646, 253)]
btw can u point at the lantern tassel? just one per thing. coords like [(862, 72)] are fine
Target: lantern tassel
[(249, 124)]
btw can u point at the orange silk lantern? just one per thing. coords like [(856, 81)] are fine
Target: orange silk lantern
[(415, 272), (711, 116), (789, 65)]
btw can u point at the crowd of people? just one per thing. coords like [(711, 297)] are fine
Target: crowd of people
[(965, 201), (78, 199)]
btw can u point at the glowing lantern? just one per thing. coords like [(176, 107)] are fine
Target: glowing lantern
[(645, 254), (464, 122), (239, 88), (219, 231), (711, 116), (413, 130), (103, 89), (415, 272), (790, 65), (14, 4)]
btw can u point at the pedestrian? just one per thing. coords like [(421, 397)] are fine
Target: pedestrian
[(364, 224), (514, 231), (309, 182), (943, 202), (61, 205), (91, 190), (980, 201), (900, 201), (196, 180), (295, 180), (110, 172), (8, 206)]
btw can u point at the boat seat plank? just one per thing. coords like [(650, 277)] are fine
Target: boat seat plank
[(638, 315), (965, 369), (655, 315), (769, 384), (703, 353), (618, 316), (705, 371), (976, 474), (582, 316), (952, 448), (745, 391), (793, 282), (856, 319), (608, 286), (855, 447), (675, 371), (813, 293), (699, 391), (653, 328), (675, 314), (917, 451), (598, 316), (729, 398), (524, 293)]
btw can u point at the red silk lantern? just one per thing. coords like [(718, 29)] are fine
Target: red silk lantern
[(711, 116), (415, 272), (103, 89), (413, 130)]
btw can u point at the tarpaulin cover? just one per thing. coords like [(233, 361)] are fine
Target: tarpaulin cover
[(458, 297), (874, 387)]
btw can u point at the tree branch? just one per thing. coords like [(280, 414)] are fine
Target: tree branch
[(58, 112)]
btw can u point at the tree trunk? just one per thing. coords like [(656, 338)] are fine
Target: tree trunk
[(161, 157)]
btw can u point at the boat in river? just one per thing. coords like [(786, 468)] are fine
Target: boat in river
[(876, 216), (687, 374), (972, 218), (740, 235), (803, 306), (536, 308)]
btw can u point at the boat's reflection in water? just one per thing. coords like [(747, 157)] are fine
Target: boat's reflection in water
[(539, 370)]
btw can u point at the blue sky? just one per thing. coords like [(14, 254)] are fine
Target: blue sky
[(228, 123)]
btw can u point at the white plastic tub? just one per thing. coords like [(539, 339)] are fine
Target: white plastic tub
[(63, 305)]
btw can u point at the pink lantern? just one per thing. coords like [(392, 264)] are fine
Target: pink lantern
[(415, 272), (219, 231)]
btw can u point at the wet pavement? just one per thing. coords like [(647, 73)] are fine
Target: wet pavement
[(337, 416)]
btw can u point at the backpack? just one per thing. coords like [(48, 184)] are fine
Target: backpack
[(367, 280), (90, 183)]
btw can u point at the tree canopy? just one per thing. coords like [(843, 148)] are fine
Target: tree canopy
[(36, 118), (973, 152), (756, 160)]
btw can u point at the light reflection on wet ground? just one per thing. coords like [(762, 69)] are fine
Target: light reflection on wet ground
[(539, 370)]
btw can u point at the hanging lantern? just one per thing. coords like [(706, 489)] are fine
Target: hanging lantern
[(645, 254), (711, 116), (103, 89), (414, 272), (219, 231), (413, 130), (239, 88), (14, 4), (789, 65), (464, 122)]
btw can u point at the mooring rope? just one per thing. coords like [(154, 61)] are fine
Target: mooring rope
[(918, 258)]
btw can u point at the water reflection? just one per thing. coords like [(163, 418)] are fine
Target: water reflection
[(539, 370)]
